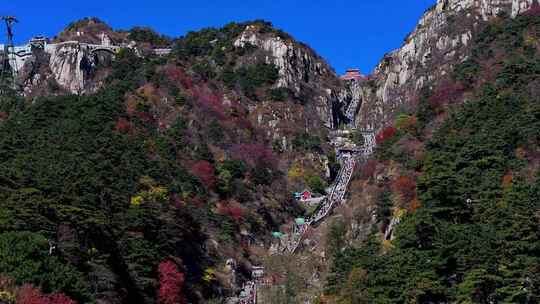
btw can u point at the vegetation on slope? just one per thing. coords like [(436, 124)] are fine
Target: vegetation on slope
[(471, 229), (146, 186)]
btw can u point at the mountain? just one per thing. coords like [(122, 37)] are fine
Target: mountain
[(447, 209), (140, 168), (130, 154)]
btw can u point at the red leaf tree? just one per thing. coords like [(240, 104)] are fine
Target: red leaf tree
[(446, 92), (385, 134), (123, 125), (178, 75), (368, 169), (28, 294), (534, 11), (171, 281), (253, 154), (232, 209), (205, 172)]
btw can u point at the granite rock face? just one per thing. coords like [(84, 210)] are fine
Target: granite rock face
[(74, 65), (301, 70), (440, 40), (70, 67)]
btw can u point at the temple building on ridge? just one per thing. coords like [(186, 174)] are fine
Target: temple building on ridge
[(353, 75)]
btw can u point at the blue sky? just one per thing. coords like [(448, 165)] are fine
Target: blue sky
[(352, 33)]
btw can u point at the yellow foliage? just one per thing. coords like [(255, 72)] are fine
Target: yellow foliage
[(154, 194), (136, 200), (158, 193), (209, 275), (400, 213), (295, 172), (405, 122), (147, 181), (387, 245), (7, 297)]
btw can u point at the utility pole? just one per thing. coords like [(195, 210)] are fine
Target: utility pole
[(8, 73)]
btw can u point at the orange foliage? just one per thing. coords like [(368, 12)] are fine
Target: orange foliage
[(405, 187), (521, 153), (507, 180), (414, 205)]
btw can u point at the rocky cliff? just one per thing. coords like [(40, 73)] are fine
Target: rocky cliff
[(300, 69), (440, 40)]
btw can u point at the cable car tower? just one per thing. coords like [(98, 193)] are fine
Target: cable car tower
[(9, 62)]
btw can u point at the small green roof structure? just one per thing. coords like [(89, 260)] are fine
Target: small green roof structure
[(300, 221), (277, 234)]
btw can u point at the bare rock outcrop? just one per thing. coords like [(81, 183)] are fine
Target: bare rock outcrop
[(440, 40), (300, 69)]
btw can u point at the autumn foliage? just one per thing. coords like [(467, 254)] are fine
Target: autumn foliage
[(209, 102), (446, 92), (205, 172), (179, 76), (405, 187), (406, 122), (385, 134), (368, 169), (507, 180), (254, 153), (232, 209), (123, 125), (414, 205), (534, 11), (171, 281), (28, 294)]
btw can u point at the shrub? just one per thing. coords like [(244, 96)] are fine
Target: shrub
[(252, 154), (278, 94), (414, 205), (171, 281), (447, 92), (405, 187), (215, 132), (387, 133), (232, 209), (316, 184), (205, 70), (123, 125), (24, 256), (224, 182), (205, 172), (358, 138), (368, 169), (406, 122), (179, 76), (236, 167), (306, 141), (534, 11), (27, 294), (148, 35), (254, 76)]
